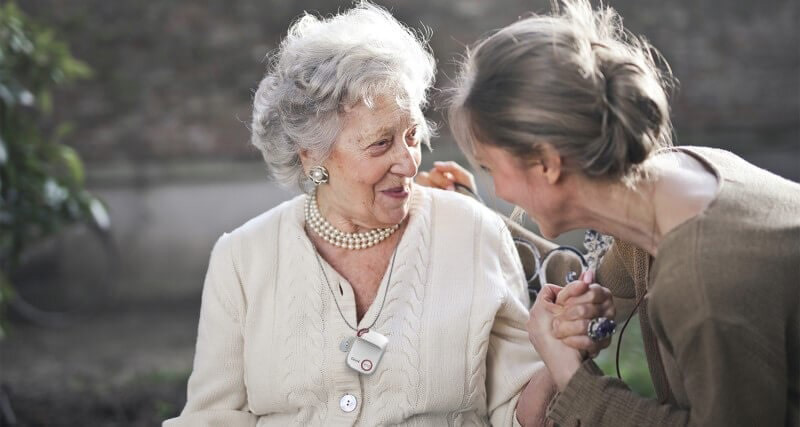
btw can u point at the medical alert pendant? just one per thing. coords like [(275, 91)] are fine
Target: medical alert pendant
[(366, 351)]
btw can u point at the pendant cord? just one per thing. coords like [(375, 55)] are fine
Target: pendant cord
[(622, 332), (383, 300)]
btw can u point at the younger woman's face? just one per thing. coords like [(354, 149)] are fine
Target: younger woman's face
[(526, 185)]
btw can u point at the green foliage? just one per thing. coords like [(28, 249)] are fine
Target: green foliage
[(41, 179), (632, 363)]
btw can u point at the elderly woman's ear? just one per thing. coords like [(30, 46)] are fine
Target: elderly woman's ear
[(309, 159), (304, 156)]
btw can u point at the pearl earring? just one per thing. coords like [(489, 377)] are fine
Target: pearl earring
[(318, 175)]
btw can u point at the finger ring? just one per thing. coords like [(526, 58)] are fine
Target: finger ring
[(601, 328)]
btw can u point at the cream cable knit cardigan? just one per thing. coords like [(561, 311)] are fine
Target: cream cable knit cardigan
[(268, 340)]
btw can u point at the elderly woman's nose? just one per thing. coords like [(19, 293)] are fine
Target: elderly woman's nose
[(406, 161)]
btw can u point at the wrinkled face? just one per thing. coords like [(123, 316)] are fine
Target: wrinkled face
[(526, 186), (372, 165)]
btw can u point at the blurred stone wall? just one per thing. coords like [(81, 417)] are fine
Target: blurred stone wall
[(163, 123), (174, 78)]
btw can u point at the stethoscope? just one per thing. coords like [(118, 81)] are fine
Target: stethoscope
[(541, 262), (540, 267)]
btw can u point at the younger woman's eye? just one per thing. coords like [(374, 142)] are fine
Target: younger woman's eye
[(486, 169)]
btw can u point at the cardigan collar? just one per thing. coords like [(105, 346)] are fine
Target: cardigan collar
[(411, 263)]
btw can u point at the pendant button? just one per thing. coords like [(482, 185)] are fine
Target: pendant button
[(366, 352), (346, 344), (348, 403)]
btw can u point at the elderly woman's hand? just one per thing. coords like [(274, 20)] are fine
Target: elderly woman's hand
[(562, 360), (446, 175), (580, 302)]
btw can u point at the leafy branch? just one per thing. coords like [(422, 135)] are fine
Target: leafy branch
[(42, 182)]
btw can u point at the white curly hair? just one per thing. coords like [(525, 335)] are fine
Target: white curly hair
[(326, 65)]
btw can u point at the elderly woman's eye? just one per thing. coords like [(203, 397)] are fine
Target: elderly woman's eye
[(411, 135), (382, 143)]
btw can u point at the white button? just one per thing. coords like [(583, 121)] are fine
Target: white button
[(348, 403)]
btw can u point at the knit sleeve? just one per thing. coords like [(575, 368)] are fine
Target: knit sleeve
[(593, 399), (732, 376), (615, 273), (216, 392), (511, 359)]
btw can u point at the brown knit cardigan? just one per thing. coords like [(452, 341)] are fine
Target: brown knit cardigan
[(722, 303)]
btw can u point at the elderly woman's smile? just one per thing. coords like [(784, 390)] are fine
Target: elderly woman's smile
[(372, 165), (397, 192)]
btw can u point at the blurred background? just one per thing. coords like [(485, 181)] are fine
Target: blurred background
[(124, 154)]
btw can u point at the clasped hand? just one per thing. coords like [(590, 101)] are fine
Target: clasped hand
[(559, 321)]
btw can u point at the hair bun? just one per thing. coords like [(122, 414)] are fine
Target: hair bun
[(574, 79), (635, 115)]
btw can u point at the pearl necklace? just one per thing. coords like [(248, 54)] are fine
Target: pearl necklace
[(339, 238)]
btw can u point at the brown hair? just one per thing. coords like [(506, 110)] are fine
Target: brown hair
[(575, 79)]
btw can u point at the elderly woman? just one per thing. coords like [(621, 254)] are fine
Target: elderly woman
[(569, 115), (368, 300)]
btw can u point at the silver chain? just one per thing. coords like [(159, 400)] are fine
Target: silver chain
[(383, 300)]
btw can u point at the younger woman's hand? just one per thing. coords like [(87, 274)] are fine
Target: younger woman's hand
[(580, 302)]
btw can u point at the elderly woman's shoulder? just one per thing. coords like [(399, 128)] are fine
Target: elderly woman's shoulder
[(450, 199), (454, 206), (286, 214)]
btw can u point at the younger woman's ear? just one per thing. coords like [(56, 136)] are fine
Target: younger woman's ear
[(551, 163)]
